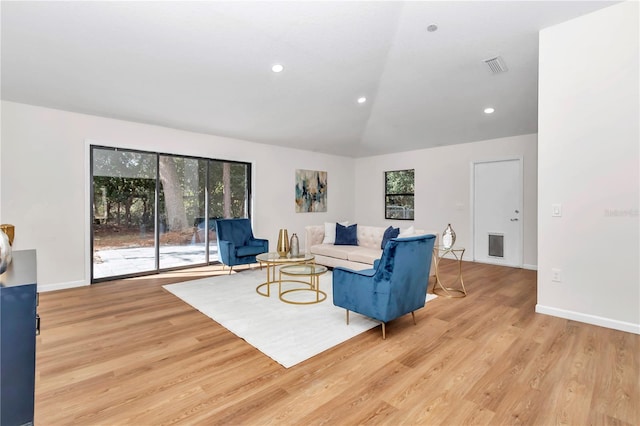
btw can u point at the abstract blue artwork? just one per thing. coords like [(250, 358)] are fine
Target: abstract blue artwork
[(311, 191)]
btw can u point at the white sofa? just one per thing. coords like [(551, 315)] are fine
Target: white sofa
[(353, 257)]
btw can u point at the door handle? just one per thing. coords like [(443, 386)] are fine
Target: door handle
[(514, 220)]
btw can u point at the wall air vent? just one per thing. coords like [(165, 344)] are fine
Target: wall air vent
[(496, 65), (496, 245)]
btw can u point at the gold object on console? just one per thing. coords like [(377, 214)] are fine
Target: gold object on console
[(5, 252), (283, 243), (9, 230)]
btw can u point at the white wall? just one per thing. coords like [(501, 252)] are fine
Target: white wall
[(443, 184), (1, 164), (44, 178), (589, 159)]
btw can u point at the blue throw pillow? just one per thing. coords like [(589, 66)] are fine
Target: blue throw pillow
[(389, 233), (346, 235)]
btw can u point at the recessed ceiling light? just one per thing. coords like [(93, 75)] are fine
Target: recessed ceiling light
[(489, 110), (432, 28), (277, 68), (362, 100)]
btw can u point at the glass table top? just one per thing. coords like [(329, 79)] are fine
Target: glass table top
[(452, 248), (273, 257), (303, 269)]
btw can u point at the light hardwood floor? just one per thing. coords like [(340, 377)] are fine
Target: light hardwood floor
[(129, 353)]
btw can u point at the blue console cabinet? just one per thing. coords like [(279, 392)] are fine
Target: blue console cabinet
[(18, 328)]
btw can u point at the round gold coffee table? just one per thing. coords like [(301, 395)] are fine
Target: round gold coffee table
[(272, 260), (312, 272)]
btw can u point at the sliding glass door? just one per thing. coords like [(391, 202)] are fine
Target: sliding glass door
[(182, 203), (155, 211), (124, 200)]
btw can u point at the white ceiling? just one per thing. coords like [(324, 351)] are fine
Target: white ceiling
[(206, 67)]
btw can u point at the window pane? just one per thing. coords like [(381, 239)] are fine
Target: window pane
[(399, 207), (181, 210), (400, 182), (399, 194), (228, 190), (123, 212)]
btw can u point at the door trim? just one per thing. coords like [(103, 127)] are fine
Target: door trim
[(472, 210)]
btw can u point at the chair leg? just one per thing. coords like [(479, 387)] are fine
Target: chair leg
[(384, 332), (347, 317), (414, 318), (230, 269)]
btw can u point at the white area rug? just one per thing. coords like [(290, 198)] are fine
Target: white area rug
[(289, 334)]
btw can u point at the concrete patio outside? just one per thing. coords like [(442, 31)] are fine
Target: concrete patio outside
[(134, 260)]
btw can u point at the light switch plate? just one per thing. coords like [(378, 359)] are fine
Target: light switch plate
[(556, 210)]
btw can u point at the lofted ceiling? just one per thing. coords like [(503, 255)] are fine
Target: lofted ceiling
[(206, 67)]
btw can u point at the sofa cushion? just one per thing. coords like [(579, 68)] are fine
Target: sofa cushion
[(370, 236), (346, 235), (330, 232), (249, 250), (389, 233), (407, 232), (364, 255), (339, 252)]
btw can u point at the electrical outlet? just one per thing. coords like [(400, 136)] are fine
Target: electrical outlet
[(556, 275)]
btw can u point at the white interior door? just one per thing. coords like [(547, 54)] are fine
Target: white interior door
[(497, 212)]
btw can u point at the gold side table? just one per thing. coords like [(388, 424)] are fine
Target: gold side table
[(439, 252), (272, 261), (302, 270)]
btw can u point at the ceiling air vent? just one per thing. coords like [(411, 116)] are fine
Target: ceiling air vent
[(496, 65)]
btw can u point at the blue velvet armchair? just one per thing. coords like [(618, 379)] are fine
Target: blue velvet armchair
[(236, 243), (397, 284)]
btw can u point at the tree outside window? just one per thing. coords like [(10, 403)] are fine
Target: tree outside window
[(399, 194), (150, 210)]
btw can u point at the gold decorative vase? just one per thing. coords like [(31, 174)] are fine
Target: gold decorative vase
[(9, 230), (283, 243), (5, 252)]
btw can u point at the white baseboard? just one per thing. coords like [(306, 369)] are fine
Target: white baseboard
[(530, 267), (589, 319), (61, 286)]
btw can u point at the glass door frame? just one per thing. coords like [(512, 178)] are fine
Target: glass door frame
[(157, 269)]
